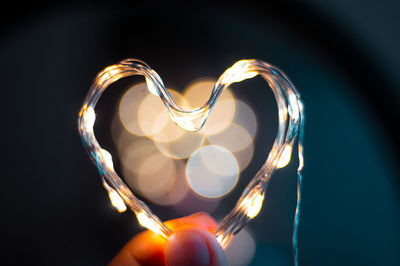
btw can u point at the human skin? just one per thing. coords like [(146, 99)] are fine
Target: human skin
[(192, 244)]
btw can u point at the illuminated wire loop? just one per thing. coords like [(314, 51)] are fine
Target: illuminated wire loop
[(291, 122)]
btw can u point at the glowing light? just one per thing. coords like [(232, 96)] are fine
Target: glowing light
[(151, 87), (149, 223), (244, 76), (293, 106), (184, 122), (212, 171), (285, 157), (108, 73), (238, 72), (116, 201), (254, 205), (107, 158), (219, 239), (89, 117)]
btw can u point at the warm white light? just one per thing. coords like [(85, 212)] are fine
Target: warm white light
[(185, 122), (151, 87), (237, 73), (244, 76), (149, 223), (108, 73), (107, 158), (116, 201), (253, 205), (219, 239), (293, 106), (89, 117), (285, 157)]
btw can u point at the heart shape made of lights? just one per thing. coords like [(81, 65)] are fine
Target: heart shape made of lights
[(291, 122)]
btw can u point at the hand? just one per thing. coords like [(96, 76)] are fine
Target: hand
[(192, 244)]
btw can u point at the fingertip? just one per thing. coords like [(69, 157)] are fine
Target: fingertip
[(199, 220), (194, 246), (187, 248)]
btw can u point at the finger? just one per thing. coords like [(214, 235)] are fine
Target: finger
[(147, 248), (194, 246), (199, 220)]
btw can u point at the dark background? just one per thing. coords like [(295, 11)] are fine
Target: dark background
[(342, 56)]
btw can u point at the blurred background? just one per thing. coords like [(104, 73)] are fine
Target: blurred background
[(342, 56)]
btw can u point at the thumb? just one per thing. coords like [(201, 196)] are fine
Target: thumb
[(194, 246)]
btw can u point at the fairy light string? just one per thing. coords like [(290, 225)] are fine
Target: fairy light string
[(291, 123)]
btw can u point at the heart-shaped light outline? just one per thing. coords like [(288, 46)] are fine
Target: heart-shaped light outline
[(249, 204)]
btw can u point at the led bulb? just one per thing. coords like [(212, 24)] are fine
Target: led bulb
[(107, 158), (151, 87), (254, 205), (285, 157), (89, 117), (116, 201), (149, 223)]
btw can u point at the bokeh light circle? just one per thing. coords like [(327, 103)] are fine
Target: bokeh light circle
[(129, 107), (212, 171), (241, 250), (234, 138), (183, 146)]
